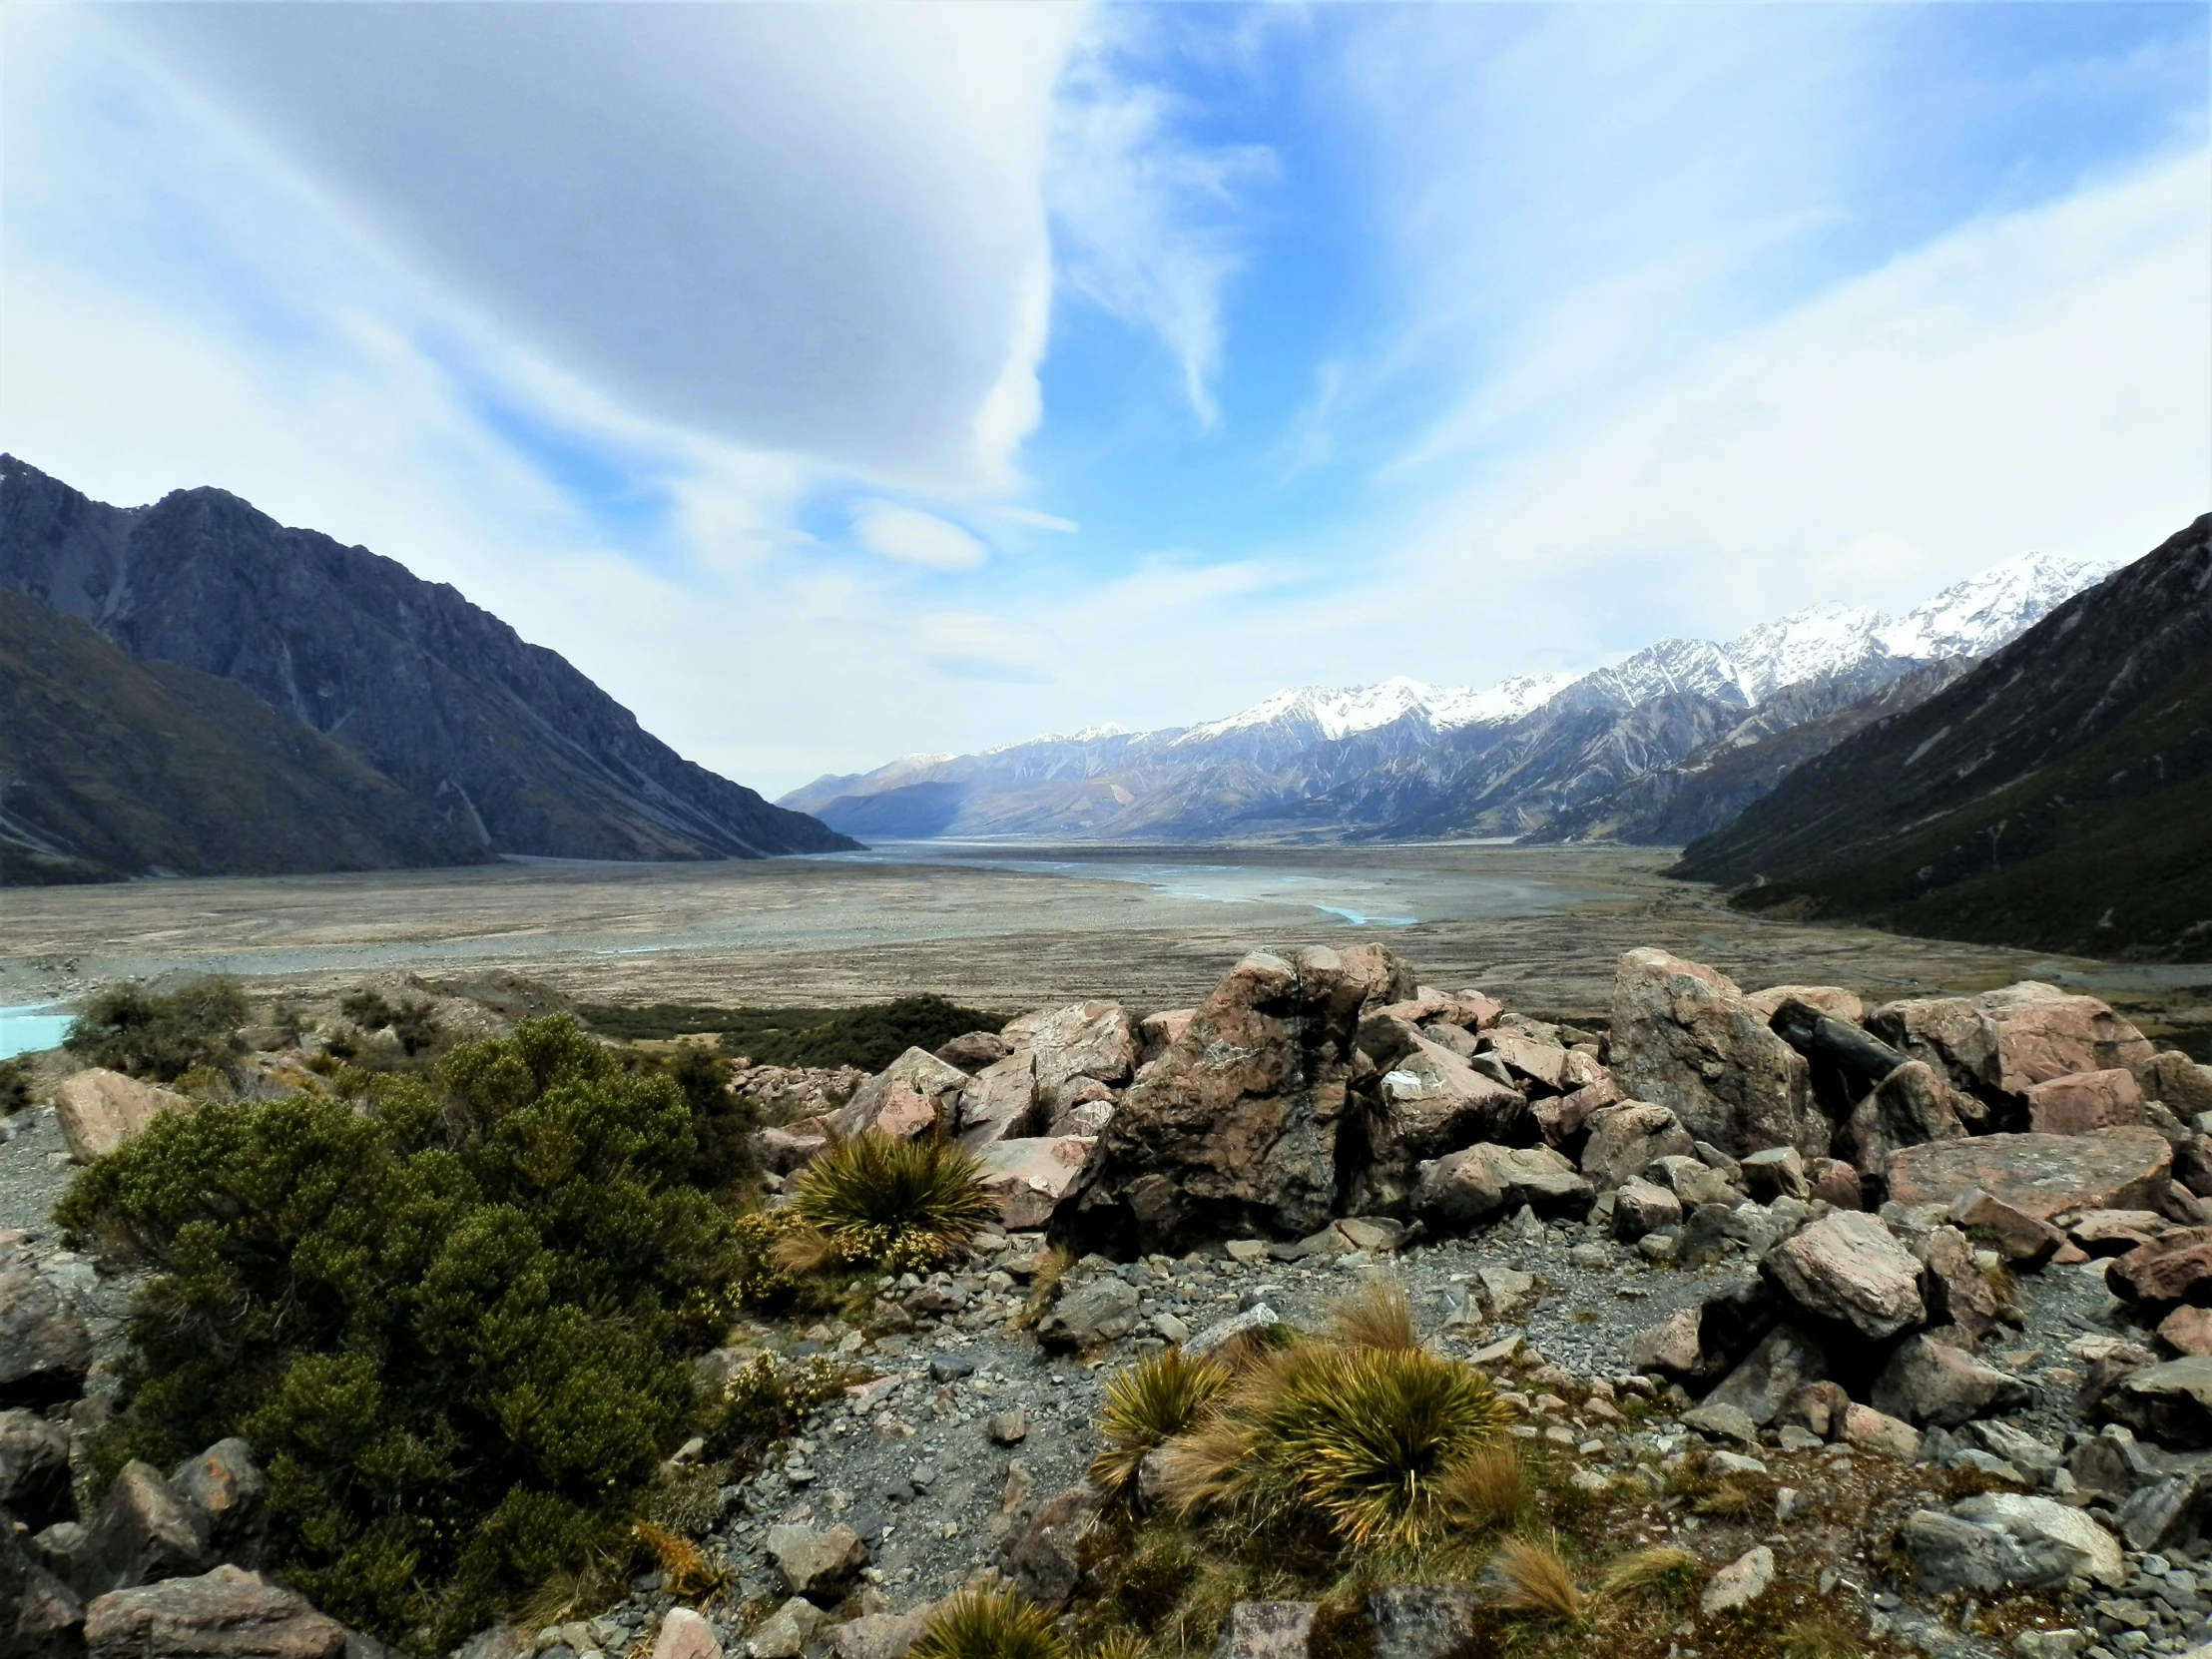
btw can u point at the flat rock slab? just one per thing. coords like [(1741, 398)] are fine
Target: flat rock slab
[(2040, 1175)]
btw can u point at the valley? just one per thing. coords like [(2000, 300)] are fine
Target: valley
[(995, 926)]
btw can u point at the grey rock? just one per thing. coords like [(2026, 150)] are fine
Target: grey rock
[(1422, 1621), (1742, 1581), (228, 1487), (144, 1531), (2170, 1403), (1045, 1563), (1848, 1267), (40, 1616), (1259, 1317), (1762, 1383), (227, 1613), (1641, 1208), (1776, 1171), (1091, 1316), (34, 1469), (879, 1635), (1267, 1630), (1995, 1539), (1931, 1382), (45, 1348), (1724, 1423), (817, 1564), (1626, 1139)]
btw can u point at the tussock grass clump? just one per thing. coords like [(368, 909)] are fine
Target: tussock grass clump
[(1819, 1636), (1376, 1316), (1530, 1577), (989, 1624), (1148, 1403), (900, 1204), (1486, 1489), (685, 1569), (1661, 1571), (1361, 1436)]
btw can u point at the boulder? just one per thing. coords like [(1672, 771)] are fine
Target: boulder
[(2172, 1077), (1671, 1345), (1232, 1131), (1954, 1287), (817, 1563), (2165, 1272), (1742, 1581), (784, 1634), (912, 1096), (2039, 1175), (1530, 1061), (683, 1634), (1831, 1000), (1267, 1630), (973, 1051), (2021, 1239), (1693, 1181), (1870, 1431), (1684, 1037), (2170, 1402), (228, 1489), (97, 1110), (1159, 1032), (34, 1469), (1719, 1420), (1422, 1621), (1640, 1208), (1027, 1178), (2042, 1033), (2187, 1331), (1835, 1183), (1911, 1106), (1564, 1119), (1088, 1042), (1948, 1033), (227, 1613), (2116, 1232), (1849, 1267), (1045, 1563), (1764, 1381), (40, 1616), (2082, 1101), (1465, 1187), (1998, 1540), (144, 1531), (999, 1102), (45, 1348), (1430, 1103), (1931, 1382), (1627, 1139), (785, 1148), (880, 1635), (1776, 1171), (1090, 1316), (1817, 1407)]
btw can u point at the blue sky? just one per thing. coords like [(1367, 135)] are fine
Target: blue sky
[(834, 382)]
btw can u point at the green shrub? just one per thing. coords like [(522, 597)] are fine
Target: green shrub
[(450, 1313), (869, 1037), (414, 1023), (897, 1203), (131, 1029)]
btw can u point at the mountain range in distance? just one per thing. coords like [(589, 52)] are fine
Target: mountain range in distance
[(192, 688), (1667, 744)]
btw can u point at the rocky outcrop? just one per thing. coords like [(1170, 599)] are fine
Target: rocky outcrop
[(227, 1613), (1233, 1130), (2039, 1175), (1684, 1037), (45, 1348)]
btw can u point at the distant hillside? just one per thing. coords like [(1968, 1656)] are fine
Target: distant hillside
[(112, 769), (503, 739), (2059, 796), (1552, 755)]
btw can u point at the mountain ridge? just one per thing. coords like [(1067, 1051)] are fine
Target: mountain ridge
[(1405, 758), (505, 739)]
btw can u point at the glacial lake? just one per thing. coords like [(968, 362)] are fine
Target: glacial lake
[(32, 1027)]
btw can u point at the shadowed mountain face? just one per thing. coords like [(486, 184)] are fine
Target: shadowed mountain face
[(505, 741), (2059, 796), (111, 769)]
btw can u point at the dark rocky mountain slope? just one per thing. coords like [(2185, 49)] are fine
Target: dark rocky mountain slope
[(2059, 796), (112, 769), (504, 740), (1673, 804)]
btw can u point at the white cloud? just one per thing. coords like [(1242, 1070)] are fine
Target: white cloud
[(914, 537), (1144, 214), (817, 229)]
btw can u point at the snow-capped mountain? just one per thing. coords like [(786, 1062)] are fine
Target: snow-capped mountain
[(1406, 756)]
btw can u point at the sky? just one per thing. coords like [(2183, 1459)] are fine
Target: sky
[(834, 381)]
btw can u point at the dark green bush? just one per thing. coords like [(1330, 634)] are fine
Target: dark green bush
[(15, 1085), (414, 1023), (451, 1313), (132, 1029), (869, 1038)]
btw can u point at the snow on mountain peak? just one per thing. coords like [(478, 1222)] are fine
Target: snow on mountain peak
[(1821, 639), (1989, 610)]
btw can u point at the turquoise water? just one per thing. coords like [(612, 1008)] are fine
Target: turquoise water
[(34, 1026)]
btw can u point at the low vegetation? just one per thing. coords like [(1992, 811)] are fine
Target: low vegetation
[(160, 1036), (451, 1313), (15, 1085), (869, 1038), (876, 1201)]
